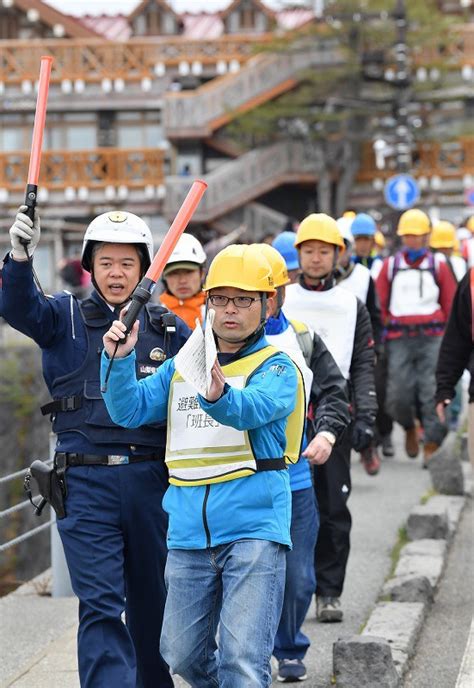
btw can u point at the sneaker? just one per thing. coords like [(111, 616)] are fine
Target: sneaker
[(370, 460), (291, 671), (428, 451), (412, 445), (387, 446), (328, 609)]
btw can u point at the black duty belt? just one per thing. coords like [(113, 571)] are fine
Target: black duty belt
[(66, 404), (73, 459)]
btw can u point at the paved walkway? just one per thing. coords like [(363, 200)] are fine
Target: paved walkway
[(379, 507)]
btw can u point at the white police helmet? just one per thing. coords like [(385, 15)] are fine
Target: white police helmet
[(117, 227)]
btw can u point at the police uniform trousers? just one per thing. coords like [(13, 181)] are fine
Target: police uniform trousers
[(114, 538), (332, 484)]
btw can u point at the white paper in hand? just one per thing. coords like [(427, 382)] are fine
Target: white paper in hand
[(196, 358)]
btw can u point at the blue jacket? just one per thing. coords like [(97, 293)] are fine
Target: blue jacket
[(70, 333), (256, 507)]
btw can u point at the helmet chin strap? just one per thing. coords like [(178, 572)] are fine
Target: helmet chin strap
[(253, 336)]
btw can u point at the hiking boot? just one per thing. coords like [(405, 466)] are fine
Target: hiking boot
[(370, 460), (328, 609), (387, 446), (428, 451), (412, 446), (291, 671)]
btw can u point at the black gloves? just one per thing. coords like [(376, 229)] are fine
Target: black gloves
[(362, 435)]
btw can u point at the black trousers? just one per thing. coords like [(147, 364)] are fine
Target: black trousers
[(383, 422), (332, 484)]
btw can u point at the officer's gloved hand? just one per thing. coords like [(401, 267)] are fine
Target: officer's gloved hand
[(362, 435), (24, 228)]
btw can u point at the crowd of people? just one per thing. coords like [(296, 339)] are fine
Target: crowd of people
[(213, 519)]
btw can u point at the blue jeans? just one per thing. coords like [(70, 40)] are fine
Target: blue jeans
[(300, 584), (238, 587)]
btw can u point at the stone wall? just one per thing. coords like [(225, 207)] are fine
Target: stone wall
[(24, 434)]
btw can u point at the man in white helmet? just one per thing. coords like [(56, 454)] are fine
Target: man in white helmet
[(183, 277), (113, 479)]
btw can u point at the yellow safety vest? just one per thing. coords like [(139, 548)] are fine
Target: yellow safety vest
[(201, 451)]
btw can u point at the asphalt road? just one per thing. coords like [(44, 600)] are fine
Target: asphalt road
[(443, 639), (379, 507)]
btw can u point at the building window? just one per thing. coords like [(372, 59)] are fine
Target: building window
[(139, 130)]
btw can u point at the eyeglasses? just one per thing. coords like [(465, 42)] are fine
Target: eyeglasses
[(238, 301)]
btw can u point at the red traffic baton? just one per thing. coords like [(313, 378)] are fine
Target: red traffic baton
[(144, 290), (37, 140)]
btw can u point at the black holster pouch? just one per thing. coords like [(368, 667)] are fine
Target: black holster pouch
[(52, 486)]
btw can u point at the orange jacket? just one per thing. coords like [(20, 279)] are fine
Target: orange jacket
[(187, 309)]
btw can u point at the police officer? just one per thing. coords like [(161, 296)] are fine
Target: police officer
[(114, 532)]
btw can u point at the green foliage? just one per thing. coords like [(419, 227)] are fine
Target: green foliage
[(326, 101)]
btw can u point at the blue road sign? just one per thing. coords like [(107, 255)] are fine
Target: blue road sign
[(469, 196), (401, 191)]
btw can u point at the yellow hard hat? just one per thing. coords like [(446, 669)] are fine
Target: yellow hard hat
[(350, 214), (320, 227), (443, 235), (241, 267), (277, 263), (470, 224), (379, 239), (413, 221)]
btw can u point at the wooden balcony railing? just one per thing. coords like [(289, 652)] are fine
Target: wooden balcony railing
[(198, 113), (448, 160), (93, 169), (92, 60)]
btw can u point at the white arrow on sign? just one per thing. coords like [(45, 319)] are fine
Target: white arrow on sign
[(402, 189)]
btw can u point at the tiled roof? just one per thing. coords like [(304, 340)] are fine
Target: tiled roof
[(196, 26), (111, 27), (202, 26)]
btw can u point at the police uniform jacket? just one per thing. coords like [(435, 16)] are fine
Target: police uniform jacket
[(70, 333)]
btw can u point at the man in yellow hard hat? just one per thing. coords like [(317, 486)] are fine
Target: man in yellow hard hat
[(343, 323), (443, 240), (416, 289), (229, 500), (326, 392)]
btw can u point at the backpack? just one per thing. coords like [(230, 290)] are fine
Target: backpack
[(304, 339)]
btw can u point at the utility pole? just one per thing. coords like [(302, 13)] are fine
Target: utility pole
[(402, 81)]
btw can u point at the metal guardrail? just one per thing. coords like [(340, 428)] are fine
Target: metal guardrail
[(18, 507)]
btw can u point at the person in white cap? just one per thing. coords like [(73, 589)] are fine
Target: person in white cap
[(183, 278)]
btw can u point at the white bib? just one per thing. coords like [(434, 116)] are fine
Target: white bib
[(357, 282), (288, 343), (414, 290), (331, 314)]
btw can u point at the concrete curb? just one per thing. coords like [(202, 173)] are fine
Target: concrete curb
[(406, 597)]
